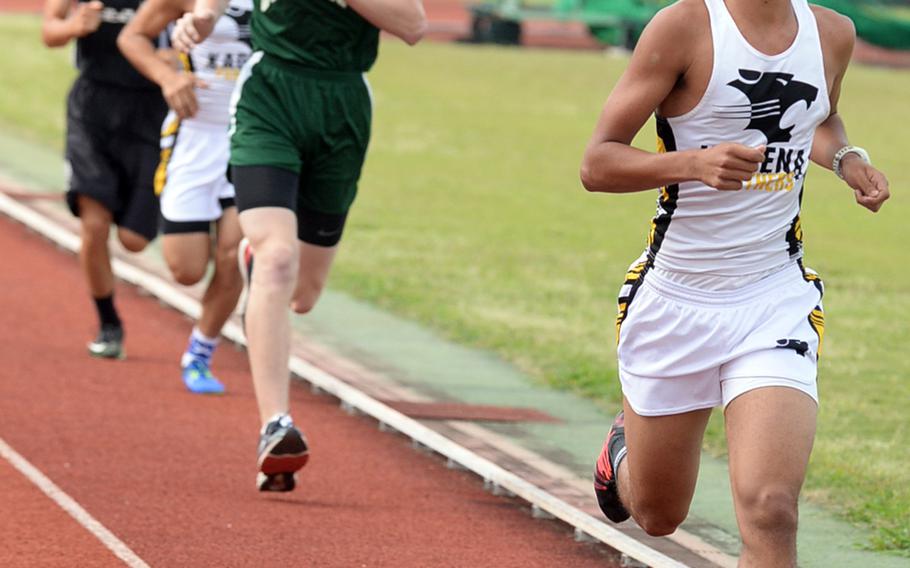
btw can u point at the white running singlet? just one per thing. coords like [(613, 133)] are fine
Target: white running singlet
[(217, 62), (753, 99), (722, 303), (191, 177)]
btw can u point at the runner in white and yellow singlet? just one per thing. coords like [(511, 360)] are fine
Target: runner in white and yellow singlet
[(192, 175), (720, 310)]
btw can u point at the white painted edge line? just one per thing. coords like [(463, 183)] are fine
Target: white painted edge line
[(356, 399), (68, 504)]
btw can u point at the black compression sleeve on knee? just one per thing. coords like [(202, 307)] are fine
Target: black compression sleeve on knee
[(264, 186), (320, 229)]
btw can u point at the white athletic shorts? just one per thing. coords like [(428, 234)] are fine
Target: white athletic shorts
[(192, 175), (682, 349)]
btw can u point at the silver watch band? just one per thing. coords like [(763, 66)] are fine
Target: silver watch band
[(839, 156)]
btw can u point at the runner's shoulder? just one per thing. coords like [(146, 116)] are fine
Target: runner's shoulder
[(836, 30), (680, 24)]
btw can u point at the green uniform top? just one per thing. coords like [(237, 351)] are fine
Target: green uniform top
[(320, 34)]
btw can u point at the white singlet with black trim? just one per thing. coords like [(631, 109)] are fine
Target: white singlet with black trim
[(191, 177), (217, 62), (719, 304), (753, 99)]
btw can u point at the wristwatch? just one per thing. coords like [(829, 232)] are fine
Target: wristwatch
[(861, 152)]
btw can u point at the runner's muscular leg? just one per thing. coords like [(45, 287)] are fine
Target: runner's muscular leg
[(131, 240), (657, 477), (315, 263), (770, 432), (94, 255), (187, 255), (272, 232), (224, 290)]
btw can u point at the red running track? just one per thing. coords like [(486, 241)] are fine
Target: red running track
[(172, 474)]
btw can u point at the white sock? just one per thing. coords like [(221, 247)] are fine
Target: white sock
[(200, 347)]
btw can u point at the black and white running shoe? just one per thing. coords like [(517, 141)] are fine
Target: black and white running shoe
[(605, 487), (282, 452), (109, 343)]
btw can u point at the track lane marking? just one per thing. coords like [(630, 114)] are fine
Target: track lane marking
[(68, 504)]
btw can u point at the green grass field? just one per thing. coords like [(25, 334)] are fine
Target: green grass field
[(472, 221)]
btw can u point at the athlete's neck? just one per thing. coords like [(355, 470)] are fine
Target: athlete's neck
[(762, 13), (769, 25)]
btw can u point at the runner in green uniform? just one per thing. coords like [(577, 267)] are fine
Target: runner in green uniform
[(300, 127)]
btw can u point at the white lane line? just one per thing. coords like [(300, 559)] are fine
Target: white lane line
[(357, 399), (68, 504)]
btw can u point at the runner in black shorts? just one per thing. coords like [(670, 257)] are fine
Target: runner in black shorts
[(113, 119)]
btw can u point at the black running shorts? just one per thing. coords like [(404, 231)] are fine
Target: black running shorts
[(112, 151)]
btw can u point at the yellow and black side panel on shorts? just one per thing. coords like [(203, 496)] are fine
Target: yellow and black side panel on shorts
[(817, 321), (813, 277), (168, 141), (634, 278), (817, 316)]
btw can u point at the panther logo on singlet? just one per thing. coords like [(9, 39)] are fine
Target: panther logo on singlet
[(770, 96)]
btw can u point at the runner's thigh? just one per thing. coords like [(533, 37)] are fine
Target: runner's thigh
[(663, 458)]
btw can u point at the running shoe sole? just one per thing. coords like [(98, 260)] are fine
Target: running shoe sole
[(280, 460), (119, 355)]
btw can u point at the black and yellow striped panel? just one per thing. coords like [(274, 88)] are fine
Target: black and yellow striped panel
[(186, 62), (814, 278), (168, 141), (669, 195), (817, 321), (795, 236), (634, 278)]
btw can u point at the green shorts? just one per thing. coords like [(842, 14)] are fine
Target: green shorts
[(313, 123)]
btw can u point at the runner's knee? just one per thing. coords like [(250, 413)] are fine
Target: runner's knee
[(226, 270), (131, 241), (769, 508), (95, 228), (305, 300), (275, 264), (187, 274), (659, 521), (226, 256)]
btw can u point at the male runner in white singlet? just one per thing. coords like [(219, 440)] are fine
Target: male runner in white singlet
[(192, 176), (720, 310)]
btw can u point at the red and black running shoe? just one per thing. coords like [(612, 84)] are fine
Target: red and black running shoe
[(282, 452), (614, 451)]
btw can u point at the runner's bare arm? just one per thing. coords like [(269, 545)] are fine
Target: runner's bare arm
[(135, 41), (403, 18), (870, 186), (59, 26), (658, 64), (195, 26)]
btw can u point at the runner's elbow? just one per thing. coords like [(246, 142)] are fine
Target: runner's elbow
[(51, 39), (415, 30), (123, 43), (595, 178)]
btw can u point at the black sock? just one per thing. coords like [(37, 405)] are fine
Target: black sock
[(107, 313)]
